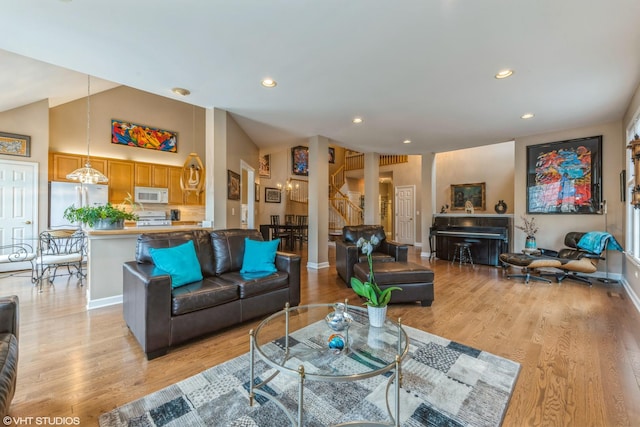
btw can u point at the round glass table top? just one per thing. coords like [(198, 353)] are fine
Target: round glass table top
[(366, 351)]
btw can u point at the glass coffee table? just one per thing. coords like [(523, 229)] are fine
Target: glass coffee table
[(295, 342)]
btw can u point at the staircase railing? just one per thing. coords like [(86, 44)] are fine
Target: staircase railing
[(298, 191), (356, 161), (342, 211)]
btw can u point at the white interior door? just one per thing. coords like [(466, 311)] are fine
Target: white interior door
[(405, 227), (18, 207)]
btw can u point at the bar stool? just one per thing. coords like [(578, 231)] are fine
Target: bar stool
[(462, 250)]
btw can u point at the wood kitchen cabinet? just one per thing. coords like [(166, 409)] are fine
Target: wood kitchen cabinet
[(150, 175), (176, 196), (121, 179), (61, 164), (175, 192)]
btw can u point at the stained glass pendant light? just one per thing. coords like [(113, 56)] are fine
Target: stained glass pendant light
[(87, 174)]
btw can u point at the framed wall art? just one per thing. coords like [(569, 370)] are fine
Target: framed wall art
[(233, 185), (272, 195), (300, 160), (332, 155), (264, 168), (474, 193), (133, 135), (15, 145), (565, 177), (256, 192)]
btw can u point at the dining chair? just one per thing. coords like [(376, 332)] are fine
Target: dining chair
[(279, 232), (289, 219), (301, 233), (60, 248)]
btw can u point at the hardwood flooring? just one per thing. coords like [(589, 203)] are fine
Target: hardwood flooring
[(579, 346)]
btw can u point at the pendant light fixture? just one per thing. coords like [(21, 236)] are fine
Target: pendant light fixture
[(192, 175), (87, 174)]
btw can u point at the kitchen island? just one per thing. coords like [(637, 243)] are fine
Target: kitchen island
[(108, 250)]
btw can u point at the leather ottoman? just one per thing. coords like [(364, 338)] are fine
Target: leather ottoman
[(415, 280)]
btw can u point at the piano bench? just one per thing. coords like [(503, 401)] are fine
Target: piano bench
[(528, 264), (415, 280)]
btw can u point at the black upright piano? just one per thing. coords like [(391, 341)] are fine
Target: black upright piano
[(488, 235)]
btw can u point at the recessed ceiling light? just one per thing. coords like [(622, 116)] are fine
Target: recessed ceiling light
[(181, 91), (357, 120), (527, 116), (406, 141), (269, 83), (503, 74)]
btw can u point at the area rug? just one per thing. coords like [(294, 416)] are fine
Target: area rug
[(444, 384)]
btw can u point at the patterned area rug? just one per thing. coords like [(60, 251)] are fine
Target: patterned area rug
[(444, 384)]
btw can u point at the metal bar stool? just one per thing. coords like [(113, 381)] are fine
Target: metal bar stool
[(462, 251)]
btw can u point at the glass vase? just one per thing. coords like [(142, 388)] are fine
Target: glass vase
[(339, 319)]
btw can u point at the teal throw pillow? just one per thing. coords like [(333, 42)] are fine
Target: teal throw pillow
[(180, 262), (259, 257)]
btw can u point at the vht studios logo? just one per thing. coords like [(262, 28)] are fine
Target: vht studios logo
[(41, 421)]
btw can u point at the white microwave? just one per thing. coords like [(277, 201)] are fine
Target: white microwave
[(151, 195)]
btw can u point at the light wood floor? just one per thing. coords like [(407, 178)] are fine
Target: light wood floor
[(579, 346)]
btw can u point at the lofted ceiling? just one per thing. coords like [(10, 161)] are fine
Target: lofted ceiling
[(421, 70)]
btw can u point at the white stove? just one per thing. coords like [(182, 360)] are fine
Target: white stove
[(152, 219)]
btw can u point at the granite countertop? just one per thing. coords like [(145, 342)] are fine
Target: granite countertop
[(140, 230)]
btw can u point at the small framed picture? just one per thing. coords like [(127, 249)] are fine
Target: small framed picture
[(15, 145), (272, 195), (256, 192), (233, 185), (332, 155)]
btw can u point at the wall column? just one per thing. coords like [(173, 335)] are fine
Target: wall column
[(318, 248), (371, 188), (428, 197), (216, 161)]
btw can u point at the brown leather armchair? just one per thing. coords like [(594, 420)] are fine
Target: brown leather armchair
[(348, 254)]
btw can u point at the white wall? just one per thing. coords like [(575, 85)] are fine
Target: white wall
[(491, 164)]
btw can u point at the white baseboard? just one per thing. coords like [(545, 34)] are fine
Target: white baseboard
[(632, 295), (424, 254), (418, 244), (318, 265), (104, 302)]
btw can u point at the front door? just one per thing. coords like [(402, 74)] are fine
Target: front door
[(18, 207), (405, 228)]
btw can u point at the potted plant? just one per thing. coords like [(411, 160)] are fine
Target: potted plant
[(376, 299), (106, 217), (530, 229)]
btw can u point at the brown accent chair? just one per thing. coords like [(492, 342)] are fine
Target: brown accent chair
[(348, 254), (161, 317)]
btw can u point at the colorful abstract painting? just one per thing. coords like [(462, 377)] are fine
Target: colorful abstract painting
[(141, 136), (564, 177)]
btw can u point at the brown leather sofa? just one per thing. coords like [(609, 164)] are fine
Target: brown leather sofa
[(9, 319), (161, 317), (348, 254)]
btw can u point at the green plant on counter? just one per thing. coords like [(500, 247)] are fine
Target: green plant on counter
[(90, 215)]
